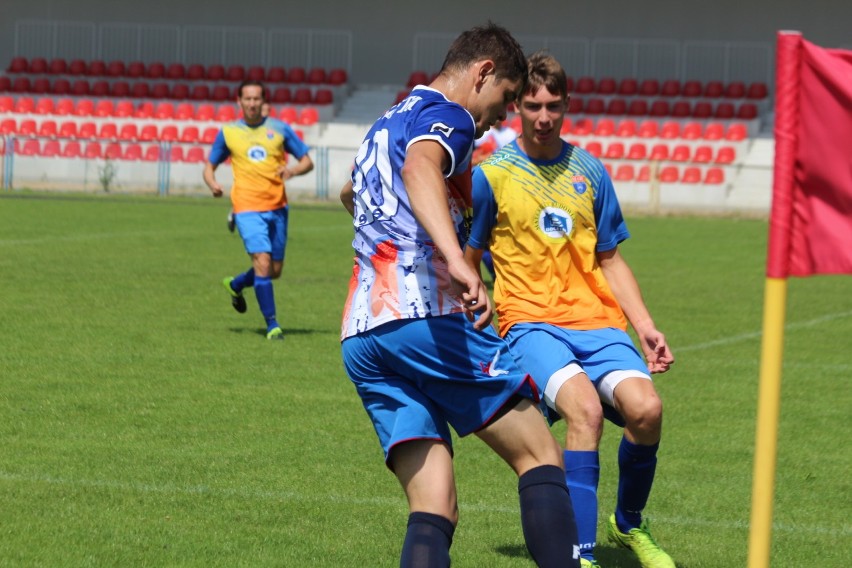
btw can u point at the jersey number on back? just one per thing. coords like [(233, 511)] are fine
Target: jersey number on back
[(373, 181)]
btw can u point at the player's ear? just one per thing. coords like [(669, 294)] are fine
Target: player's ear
[(484, 69)]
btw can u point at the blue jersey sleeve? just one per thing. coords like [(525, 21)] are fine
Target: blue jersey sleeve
[(219, 152), (451, 126), (610, 222), (484, 211)]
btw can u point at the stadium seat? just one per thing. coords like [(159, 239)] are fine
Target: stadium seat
[(179, 91), (226, 113), (288, 114), (119, 89), (680, 153), (256, 73), (87, 130), (61, 86), (281, 95), (637, 151), (724, 111), (649, 88), (24, 105), (575, 105), (747, 111), (51, 149), (714, 176), (38, 66), (189, 134), (96, 68), (31, 147), (297, 75), (614, 151), (585, 85), (616, 107), (175, 71), (628, 87), (338, 76), (713, 89), (757, 91), (155, 70), (735, 90), (104, 108), (169, 133), (669, 174), (184, 111), (681, 109), (93, 150), (648, 129), (144, 110), (606, 86), (8, 126), (208, 135), (726, 155), (148, 133), (323, 97), (736, 132), (164, 110), (44, 105), (670, 130), (595, 106), (47, 129), (129, 131), (659, 152), (108, 131), (215, 72), (637, 107), (68, 129), (124, 109), (308, 116), (195, 155), (18, 64), (200, 92), (152, 153), (566, 126), (100, 88), (691, 175), (670, 88), (140, 90), (84, 107), (235, 73), (40, 86), (27, 127), (221, 93), (302, 96), (594, 148), (5, 84), (276, 75), (71, 149), (160, 91), (135, 70), (644, 174), (702, 110), (205, 111), (626, 128), (603, 127), (195, 72), (624, 172), (80, 88), (76, 67), (116, 69), (691, 130), (714, 131), (132, 153), (21, 85), (176, 154), (703, 154), (113, 151), (64, 106), (583, 126), (692, 88)]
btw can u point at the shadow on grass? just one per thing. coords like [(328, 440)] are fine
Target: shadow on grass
[(262, 331), (609, 556)]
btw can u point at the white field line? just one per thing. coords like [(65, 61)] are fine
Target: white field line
[(757, 334), (385, 502)]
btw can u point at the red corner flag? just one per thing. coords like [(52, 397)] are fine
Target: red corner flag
[(811, 221)]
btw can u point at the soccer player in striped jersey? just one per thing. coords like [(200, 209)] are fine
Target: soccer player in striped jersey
[(416, 339), (258, 148), (563, 295)]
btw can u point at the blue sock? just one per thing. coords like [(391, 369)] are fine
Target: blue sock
[(266, 300), (427, 541), (243, 280), (582, 473), (636, 467), (547, 518)]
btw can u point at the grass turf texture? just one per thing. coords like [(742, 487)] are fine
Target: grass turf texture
[(145, 423)]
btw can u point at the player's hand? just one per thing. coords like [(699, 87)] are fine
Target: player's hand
[(216, 190), (284, 172), (468, 287), (657, 352)]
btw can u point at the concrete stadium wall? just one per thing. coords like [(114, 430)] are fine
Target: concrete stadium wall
[(383, 29)]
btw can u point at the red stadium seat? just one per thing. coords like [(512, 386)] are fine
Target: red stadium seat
[(21, 85), (27, 127), (18, 65), (132, 153), (659, 152), (736, 132), (64, 106), (144, 110), (215, 72), (281, 95), (714, 176), (155, 70), (724, 111), (691, 131), (302, 96), (714, 131), (61, 86), (594, 148), (100, 89), (113, 151), (644, 174), (566, 126), (614, 151), (195, 72), (288, 114), (669, 174), (44, 105), (681, 109), (51, 149), (221, 93), (200, 92), (595, 106), (80, 88), (624, 172), (164, 110), (68, 129), (276, 75), (160, 91), (152, 153), (30, 147), (179, 92), (141, 90), (637, 151), (205, 111), (726, 155), (691, 174), (235, 73), (606, 86), (628, 87), (116, 69), (256, 73), (670, 88), (308, 116), (77, 67), (692, 88), (616, 107), (747, 111), (735, 90), (626, 128), (297, 75), (316, 76), (135, 70), (603, 127), (93, 151), (638, 107), (148, 133), (128, 132), (649, 88), (757, 91), (703, 154), (338, 76), (38, 66), (169, 133), (84, 107), (108, 131), (124, 109), (575, 105), (87, 130), (96, 68), (5, 84), (648, 129), (670, 130), (582, 126), (119, 89), (176, 154), (189, 134), (24, 105), (175, 71), (208, 136), (226, 113), (195, 155), (680, 153), (71, 149), (184, 111), (702, 110), (323, 97), (47, 129), (585, 86), (40, 86), (714, 89), (104, 108)]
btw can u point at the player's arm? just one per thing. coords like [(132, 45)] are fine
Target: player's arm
[(303, 166), (473, 256), (422, 174), (218, 153), (210, 179), (624, 286), (347, 197)]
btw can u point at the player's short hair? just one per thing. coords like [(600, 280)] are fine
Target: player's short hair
[(488, 42), (252, 83), (543, 70)]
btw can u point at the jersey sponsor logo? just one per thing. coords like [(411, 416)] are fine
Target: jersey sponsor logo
[(270, 134), (491, 368), (555, 222), (256, 153), (580, 184), (442, 128)]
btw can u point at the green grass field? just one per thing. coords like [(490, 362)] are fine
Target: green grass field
[(143, 422)]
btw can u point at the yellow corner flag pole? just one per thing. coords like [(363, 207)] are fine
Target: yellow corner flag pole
[(768, 404)]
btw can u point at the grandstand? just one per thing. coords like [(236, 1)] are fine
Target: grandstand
[(679, 124)]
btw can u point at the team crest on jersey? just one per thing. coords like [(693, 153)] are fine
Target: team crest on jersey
[(442, 128), (555, 222), (256, 153), (270, 134), (580, 184)]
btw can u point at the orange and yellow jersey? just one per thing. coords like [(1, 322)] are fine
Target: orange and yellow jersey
[(544, 222), (256, 152)]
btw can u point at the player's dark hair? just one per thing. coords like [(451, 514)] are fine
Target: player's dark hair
[(488, 42), (252, 83), (544, 71)]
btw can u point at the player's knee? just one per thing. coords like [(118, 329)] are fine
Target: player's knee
[(645, 416), (584, 417)]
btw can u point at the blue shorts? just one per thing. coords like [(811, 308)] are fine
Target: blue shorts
[(607, 356), (417, 377), (264, 231)]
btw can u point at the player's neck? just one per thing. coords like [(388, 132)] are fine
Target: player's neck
[(541, 152)]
